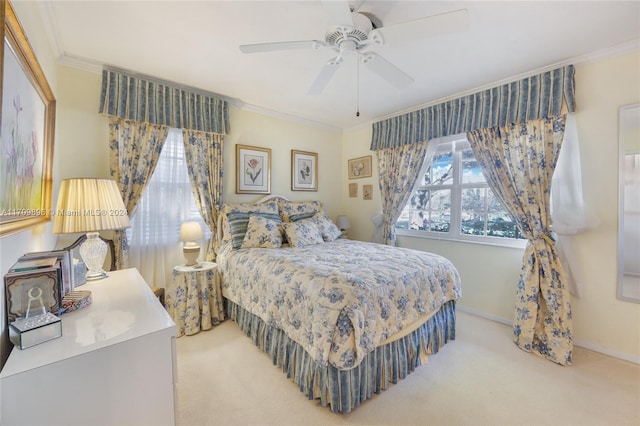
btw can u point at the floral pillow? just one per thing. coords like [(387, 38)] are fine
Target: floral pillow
[(290, 211), (262, 232), (302, 233), (327, 228), (238, 218)]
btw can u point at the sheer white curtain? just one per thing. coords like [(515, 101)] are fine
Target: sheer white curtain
[(166, 203), (569, 214)]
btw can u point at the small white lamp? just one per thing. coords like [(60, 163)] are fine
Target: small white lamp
[(342, 222), (190, 233), (90, 205)]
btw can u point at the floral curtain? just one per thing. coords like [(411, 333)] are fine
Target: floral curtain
[(398, 169), (203, 153), (518, 161), (134, 149)]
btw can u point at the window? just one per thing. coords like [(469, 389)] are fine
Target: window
[(453, 200), (168, 200)]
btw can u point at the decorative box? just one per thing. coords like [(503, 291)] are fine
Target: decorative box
[(27, 332), (75, 300)]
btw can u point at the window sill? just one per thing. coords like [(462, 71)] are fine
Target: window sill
[(485, 241)]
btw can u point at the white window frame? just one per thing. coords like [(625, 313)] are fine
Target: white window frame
[(454, 233)]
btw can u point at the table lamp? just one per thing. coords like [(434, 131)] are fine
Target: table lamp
[(190, 233), (342, 222), (90, 205)]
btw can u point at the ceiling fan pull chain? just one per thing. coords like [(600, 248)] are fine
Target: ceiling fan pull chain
[(357, 87)]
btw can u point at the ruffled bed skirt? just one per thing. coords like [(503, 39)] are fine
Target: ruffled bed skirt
[(344, 390)]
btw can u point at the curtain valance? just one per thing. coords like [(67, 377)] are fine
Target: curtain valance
[(133, 98), (540, 96)]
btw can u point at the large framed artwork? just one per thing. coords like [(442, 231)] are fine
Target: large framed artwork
[(359, 167), (253, 170), (304, 171), (26, 133)]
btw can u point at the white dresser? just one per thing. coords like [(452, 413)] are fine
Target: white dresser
[(115, 363)]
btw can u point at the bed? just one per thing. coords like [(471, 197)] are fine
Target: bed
[(344, 319)]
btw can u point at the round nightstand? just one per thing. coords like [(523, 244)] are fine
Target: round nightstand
[(194, 298)]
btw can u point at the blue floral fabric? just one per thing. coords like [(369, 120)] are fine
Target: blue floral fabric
[(203, 154), (134, 149), (518, 162), (339, 300)]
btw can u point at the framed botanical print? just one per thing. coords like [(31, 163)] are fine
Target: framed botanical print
[(359, 167), (353, 190), (253, 170), (27, 133), (304, 171), (367, 192)]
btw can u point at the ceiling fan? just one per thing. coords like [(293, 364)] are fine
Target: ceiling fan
[(351, 32)]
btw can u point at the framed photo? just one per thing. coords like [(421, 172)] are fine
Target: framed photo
[(66, 263), (304, 171), (253, 168), (26, 135), (353, 190), (367, 192), (359, 167), (32, 289)]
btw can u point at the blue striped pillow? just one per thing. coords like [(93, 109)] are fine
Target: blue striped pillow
[(238, 221)]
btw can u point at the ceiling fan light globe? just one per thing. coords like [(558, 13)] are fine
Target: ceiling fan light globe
[(361, 22)]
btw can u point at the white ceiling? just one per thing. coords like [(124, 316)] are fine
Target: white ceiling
[(196, 44)]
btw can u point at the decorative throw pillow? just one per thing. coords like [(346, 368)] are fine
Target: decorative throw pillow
[(302, 233), (238, 218), (291, 209), (262, 233), (327, 228)]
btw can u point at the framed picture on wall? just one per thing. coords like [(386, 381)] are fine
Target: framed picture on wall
[(27, 135), (367, 192), (304, 171), (253, 170), (359, 167), (353, 190)]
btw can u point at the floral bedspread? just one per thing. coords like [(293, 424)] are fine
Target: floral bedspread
[(340, 299)]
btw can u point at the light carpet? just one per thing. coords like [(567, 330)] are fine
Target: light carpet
[(481, 378)]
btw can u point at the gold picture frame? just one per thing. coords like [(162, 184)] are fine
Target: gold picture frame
[(353, 190), (253, 170), (304, 170), (367, 192), (27, 137), (359, 167)]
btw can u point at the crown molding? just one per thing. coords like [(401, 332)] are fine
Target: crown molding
[(610, 52)]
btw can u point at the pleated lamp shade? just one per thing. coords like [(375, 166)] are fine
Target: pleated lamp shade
[(89, 205)]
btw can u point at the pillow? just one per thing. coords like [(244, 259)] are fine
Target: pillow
[(262, 232), (302, 233), (327, 228), (238, 218), (290, 209)]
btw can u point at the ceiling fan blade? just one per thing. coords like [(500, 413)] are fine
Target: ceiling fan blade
[(386, 70), (430, 26), (325, 75), (282, 45), (338, 13)]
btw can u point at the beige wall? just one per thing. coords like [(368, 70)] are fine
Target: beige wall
[(250, 128), (490, 274)]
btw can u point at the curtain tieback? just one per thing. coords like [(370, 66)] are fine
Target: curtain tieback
[(547, 237)]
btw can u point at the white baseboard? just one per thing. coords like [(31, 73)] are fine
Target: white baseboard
[(585, 345)]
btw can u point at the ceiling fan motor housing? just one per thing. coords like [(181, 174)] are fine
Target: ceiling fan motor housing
[(358, 33)]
